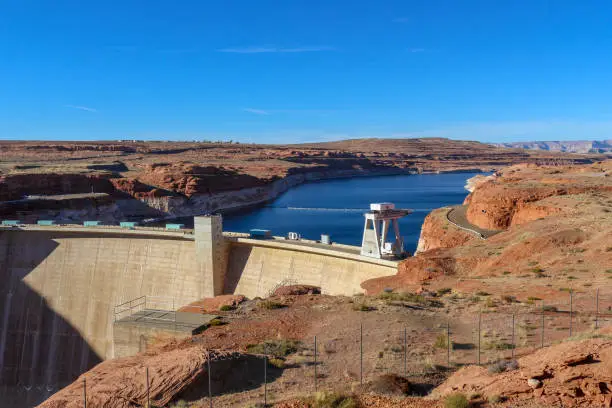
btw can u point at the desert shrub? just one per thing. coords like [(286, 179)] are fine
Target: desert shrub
[(402, 297), (226, 308), (441, 341), (397, 349), (179, 404), (444, 291), (512, 365), (502, 365), (362, 307), (270, 304), (495, 399), (456, 401), (532, 299), (508, 298), (490, 303), (549, 308), (276, 348), (497, 367), (325, 399), (276, 362), (588, 335), (217, 322), (498, 345), (482, 293)]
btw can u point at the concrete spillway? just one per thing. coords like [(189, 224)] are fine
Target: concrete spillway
[(59, 287)]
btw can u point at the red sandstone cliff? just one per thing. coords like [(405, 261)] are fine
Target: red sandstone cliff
[(556, 221), (437, 232)]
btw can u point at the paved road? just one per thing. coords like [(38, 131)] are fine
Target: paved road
[(456, 215)]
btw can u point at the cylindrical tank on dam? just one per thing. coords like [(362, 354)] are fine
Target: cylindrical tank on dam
[(325, 239)]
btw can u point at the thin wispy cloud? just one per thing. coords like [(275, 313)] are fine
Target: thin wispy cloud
[(401, 20), (83, 108), (416, 49), (178, 51), (316, 112), (256, 111), (271, 49)]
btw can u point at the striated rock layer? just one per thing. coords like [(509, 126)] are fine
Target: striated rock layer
[(156, 179), (555, 222)]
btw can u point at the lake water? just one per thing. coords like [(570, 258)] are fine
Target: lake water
[(336, 207)]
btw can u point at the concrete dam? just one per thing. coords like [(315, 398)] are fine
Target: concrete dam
[(61, 284)]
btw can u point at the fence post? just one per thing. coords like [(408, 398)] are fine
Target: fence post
[(210, 403), (265, 380), (448, 344), (479, 326), (570, 314), (315, 363), (513, 340), (405, 354), (542, 329), (84, 392), (148, 388), (361, 353), (596, 308)]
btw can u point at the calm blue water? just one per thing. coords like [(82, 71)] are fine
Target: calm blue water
[(336, 207)]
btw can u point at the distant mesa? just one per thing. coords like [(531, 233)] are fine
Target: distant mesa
[(571, 146)]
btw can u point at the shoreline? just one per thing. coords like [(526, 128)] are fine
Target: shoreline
[(279, 187)]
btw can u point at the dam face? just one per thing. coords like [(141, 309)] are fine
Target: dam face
[(60, 285), (58, 292)]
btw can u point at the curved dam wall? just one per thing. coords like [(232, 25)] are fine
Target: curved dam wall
[(59, 286), (257, 268)]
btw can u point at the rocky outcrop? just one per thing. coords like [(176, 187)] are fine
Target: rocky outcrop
[(504, 201), (413, 271), (552, 219), (438, 232), (472, 183), (121, 383), (570, 374)]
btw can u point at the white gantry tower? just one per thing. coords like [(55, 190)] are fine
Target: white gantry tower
[(375, 230)]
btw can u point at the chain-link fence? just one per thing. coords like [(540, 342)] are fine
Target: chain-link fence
[(366, 351)]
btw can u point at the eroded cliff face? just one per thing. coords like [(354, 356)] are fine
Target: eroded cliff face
[(516, 196), (557, 227), (438, 232)]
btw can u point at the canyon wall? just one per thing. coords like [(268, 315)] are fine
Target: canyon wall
[(438, 232), (118, 206)]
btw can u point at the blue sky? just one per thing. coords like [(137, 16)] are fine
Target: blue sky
[(311, 70)]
